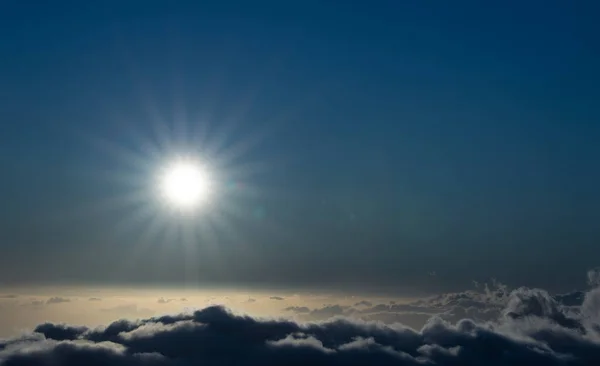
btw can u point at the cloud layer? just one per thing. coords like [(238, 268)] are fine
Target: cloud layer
[(490, 327), (486, 303)]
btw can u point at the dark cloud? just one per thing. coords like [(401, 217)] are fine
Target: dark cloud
[(9, 296), (162, 300), (57, 300), (94, 299), (183, 299), (363, 303), (574, 298), (276, 298), (59, 331)]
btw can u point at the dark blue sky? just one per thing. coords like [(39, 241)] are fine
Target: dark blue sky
[(397, 138)]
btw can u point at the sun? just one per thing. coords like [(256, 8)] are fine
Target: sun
[(185, 185)]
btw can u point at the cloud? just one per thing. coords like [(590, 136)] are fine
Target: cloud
[(9, 296), (530, 336), (50, 301), (277, 298), (162, 300), (94, 299), (60, 331), (330, 311), (526, 302), (594, 277), (487, 302), (525, 327), (574, 298), (128, 310), (57, 300), (298, 309)]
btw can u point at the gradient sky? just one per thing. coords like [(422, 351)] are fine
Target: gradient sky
[(406, 146)]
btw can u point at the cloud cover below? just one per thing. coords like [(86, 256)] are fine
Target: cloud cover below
[(489, 327)]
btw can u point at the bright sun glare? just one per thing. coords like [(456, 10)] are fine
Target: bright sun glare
[(185, 185)]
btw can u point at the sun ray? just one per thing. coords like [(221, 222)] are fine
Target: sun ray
[(161, 206)]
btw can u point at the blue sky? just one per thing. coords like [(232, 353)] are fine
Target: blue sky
[(398, 138)]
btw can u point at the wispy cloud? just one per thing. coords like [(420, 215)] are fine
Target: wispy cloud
[(57, 300)]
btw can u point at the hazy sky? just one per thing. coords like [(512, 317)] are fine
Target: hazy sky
[(411, 146)]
